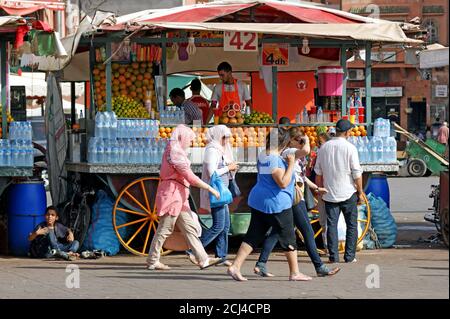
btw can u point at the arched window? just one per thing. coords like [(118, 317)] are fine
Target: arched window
[(432, 31)]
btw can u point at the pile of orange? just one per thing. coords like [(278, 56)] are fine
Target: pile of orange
[(359, 131), (165, 132), (133, 80)]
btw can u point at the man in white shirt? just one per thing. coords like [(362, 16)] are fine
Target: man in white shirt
[(339, 171)]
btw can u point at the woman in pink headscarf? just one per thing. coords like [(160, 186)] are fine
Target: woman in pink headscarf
[(172, 200), (218, 159)]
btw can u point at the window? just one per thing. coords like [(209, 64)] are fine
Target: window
[(380, 76), (432, 31)]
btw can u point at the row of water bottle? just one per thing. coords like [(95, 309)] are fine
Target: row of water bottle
[(20, 130), (172, 115), (382, 127), (106, 125), (380, 150), (16, 153), (125, 151), (137, 129)]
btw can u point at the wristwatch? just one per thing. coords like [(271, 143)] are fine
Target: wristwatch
[(317, 189)]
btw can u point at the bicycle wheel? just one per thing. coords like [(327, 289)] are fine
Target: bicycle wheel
[(136, 225), (363, 224), (79, 219)]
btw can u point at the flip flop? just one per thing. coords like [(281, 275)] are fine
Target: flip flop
[(235, 275), (158, 266), (300, 277), (211, 262)]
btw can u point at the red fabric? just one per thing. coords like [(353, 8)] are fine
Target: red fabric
[(20, 34), (27, 7), (199, 14), (310, 15), (41, 25), (202, 104), (331, 54), (270, 11)]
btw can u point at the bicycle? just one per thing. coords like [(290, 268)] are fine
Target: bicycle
[(76, 213)]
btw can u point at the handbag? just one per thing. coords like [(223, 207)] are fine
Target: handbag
[(225, 194), (310, 200), (298, 194), (234, 188)]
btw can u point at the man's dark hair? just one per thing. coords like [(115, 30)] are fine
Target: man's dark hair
[(284, 120), (51, 207), (224, 66), (438, 119), (196, 85), (177, 92)]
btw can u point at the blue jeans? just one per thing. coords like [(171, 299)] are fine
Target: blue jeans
[(219, 231), (350, 210), (301, 221), (54, 244)]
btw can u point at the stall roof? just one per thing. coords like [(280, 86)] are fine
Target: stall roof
[(22, 7), (262, 11), (9, 24), (386, 32)]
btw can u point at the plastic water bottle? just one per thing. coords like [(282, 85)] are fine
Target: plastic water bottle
[(377, 150), (320, 115), (114, 124), (391, 150), (305, 116)]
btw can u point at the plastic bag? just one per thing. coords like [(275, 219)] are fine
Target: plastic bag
[(383, 223), (225, 194), (101, 234)]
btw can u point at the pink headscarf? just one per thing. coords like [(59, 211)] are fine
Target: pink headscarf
[(214, 137), (180, 140)]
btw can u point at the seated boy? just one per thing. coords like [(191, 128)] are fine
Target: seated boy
[(52, 239)]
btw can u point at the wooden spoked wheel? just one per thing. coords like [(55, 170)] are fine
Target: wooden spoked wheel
[(363, 225), (136, 221)]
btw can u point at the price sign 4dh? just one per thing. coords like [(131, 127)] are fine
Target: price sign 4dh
[(275, 54)]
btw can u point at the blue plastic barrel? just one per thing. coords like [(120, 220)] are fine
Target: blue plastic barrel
[(27, 202), (378, 185)]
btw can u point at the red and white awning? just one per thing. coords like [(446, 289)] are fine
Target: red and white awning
[(24, 7)]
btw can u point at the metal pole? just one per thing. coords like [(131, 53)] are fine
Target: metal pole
[(164, 69), (72, 103), (108, 77), (275, 94), (369, 87), (3, 71), (344, 82)]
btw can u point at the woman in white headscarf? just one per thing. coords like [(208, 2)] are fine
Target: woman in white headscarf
[(172, 200), (218, 159)]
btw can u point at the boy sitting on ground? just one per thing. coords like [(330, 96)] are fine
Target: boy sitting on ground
[(53, 239)]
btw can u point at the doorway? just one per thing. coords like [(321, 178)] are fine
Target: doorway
[(417, 119)]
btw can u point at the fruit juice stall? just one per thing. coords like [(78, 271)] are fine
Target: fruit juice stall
[(9, 169), (130, 62)]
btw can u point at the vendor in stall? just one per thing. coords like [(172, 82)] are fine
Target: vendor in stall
[(191, 111), (229, 91)]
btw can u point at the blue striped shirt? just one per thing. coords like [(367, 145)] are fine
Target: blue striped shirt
[(191, 112)]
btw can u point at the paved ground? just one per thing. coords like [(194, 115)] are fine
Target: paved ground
[(414, 269)]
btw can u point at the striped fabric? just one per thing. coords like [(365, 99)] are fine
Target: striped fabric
[(192, 112)]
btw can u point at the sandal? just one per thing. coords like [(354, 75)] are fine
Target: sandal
[(236, 275), (262, 271), (324, 271), (192, 259), (299, 277), (158, 266)]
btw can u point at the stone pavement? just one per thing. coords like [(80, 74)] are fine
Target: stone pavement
[(414, 269)]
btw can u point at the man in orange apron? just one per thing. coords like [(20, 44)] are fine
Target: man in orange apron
[(230, 91)]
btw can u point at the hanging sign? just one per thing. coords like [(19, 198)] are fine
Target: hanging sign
[(240, 41), (275, 54)]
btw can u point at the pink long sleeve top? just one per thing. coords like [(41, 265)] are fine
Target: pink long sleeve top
[(172, 196)]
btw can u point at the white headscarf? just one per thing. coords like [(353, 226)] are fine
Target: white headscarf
[(214, 138)]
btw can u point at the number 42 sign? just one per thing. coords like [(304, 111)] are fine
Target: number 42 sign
[(240, 41)]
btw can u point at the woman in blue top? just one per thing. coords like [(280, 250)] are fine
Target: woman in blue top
[(271, 203)]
